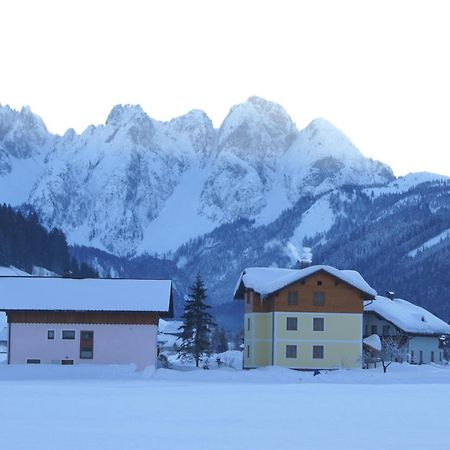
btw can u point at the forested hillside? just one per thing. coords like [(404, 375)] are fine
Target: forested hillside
[(25, 243)]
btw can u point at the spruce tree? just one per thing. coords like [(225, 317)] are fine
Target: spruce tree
[(197, 324)]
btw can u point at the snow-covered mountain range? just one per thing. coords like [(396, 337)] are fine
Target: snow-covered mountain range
[(172, 199), (137, 185)]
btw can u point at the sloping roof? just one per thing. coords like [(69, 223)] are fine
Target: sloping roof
[(169, 326), (88, 294), (407, 316), (267, 280), (373, 341)]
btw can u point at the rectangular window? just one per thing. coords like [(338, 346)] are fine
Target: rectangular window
[(317, 351), (67, 362), (292, 298), (291, 323), (386, 330), (432, 356), (319, 299), (68, 334), (366, 330), (248, 324), (33, 361), (440, 356), (318, 323), (420, 357), (248, 351), (247, 295), (50, 334), (412, 356), (86, 344), (373, 329), (291, 351)]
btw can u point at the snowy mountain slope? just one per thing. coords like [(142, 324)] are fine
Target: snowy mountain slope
[(137, 185)]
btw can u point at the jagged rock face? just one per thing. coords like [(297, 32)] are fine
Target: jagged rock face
[(110, 185), (23, 135)]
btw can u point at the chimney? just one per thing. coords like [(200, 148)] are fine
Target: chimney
[(390, 295), (305, 258)]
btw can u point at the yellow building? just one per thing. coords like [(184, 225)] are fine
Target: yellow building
[(309, 318)]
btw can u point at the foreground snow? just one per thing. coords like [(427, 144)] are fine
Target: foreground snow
[(117, 408)]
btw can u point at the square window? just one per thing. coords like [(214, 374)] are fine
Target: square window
[(291, 323), (319, 283), (319, 299), (291, 351), (292, 298), (50, 334), (68, 334), (318, 323), (317, 351)]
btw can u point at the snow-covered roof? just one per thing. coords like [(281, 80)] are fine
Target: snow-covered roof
[(88, 294), (169, 326), (407, 316), (12, 271), (267, 280), (373, 341)]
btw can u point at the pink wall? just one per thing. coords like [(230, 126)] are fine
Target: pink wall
[(113, 344)]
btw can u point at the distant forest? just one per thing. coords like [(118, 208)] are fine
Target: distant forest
[(25, 243)]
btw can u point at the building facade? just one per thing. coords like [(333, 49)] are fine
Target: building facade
[(303, 319), (71, 321), (420, 332)]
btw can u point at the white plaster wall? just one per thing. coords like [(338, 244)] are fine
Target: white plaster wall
[(427, 344), (113, 344)]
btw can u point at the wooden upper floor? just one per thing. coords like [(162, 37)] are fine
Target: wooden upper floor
[(320, 292)]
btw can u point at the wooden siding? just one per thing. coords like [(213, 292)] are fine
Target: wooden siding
[(253, 303), (89, 317), (339, 296)]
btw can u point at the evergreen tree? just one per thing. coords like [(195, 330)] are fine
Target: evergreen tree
[(197, 324)]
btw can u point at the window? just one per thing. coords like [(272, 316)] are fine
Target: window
[(319, 299), (67, 362), (68, 334), (33, 361), (50, 334), (248, 324), (292, 298), (412, 356), (317, 351), (86, 345), (291, 351), (420, 357), (386, 330), (432, 356), (248, 351), (373, 329), (291, 323), (318, 323), (319, 283), (247, 295), (366, 330)]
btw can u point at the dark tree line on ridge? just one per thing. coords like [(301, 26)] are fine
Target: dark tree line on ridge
[(25, 243)]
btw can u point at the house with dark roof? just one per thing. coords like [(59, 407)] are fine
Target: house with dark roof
[(417, 332), (309, 318), (84, 321)]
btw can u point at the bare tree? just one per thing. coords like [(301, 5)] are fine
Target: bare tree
[(393, 349)]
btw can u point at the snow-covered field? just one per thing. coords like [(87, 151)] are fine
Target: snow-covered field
[(97, 408)]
